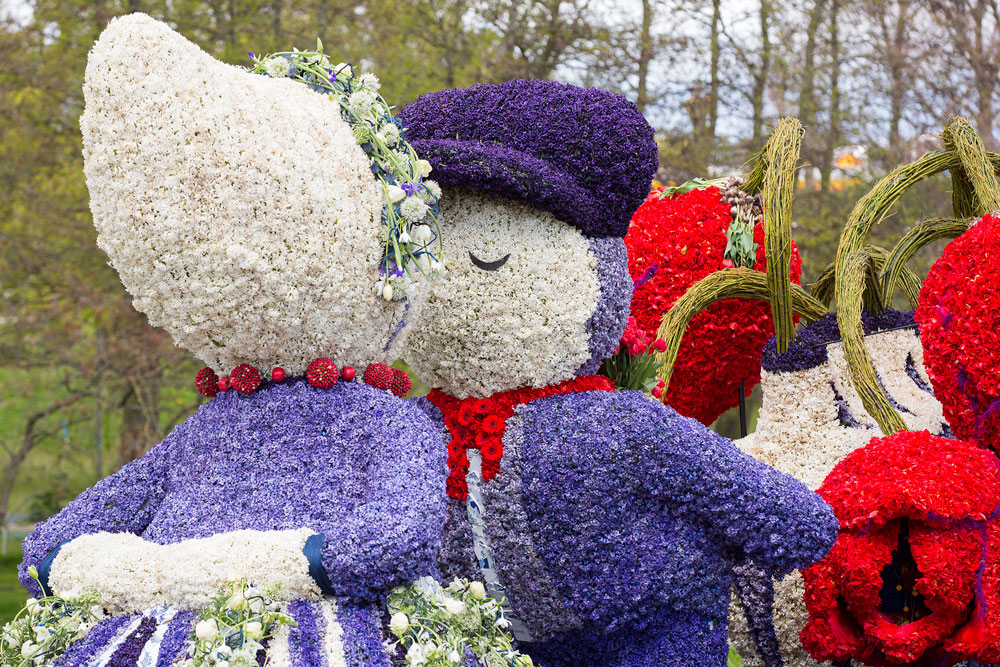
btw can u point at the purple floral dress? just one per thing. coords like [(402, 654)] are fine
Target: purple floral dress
[(359, 465)]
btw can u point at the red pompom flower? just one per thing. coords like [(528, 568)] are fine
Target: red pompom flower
[(914, 577), (245, 379), (378, 375), (207, 382), (400, 383), (322, 373)]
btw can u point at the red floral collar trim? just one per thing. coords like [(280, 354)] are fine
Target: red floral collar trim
[(480, 423)]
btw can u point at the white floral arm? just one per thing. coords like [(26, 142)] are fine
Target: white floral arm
[(131, 574)]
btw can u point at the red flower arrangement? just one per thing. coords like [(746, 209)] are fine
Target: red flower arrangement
[(672, 243), (480, 423), (914, 577), (959, 317)]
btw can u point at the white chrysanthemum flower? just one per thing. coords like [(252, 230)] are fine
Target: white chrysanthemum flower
[(361, 102), (370, 81), (277, 66), (414, 209), (389, 134), (433, 188)]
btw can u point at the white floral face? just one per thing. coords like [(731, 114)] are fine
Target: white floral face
[(238, 222), (512, 308)]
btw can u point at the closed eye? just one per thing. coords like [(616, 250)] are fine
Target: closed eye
[(488, 266)]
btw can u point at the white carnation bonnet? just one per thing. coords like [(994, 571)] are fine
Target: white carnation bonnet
[(522, 324), (238, 209)]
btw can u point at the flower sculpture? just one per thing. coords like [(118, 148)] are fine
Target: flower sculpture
[(606, 522), (675, 240), (811, 418), (324, 487), (913, 577), (959, 324)]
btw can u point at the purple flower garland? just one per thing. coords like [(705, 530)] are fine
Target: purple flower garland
[(305, 639), (175, 638), (362, 636)]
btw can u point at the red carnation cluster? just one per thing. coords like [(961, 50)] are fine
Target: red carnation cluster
[(207, 382), (914, 577), (672, 243), (959, 317), (480, 423)]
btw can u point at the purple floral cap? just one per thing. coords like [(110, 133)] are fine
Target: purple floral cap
[(585, 155)]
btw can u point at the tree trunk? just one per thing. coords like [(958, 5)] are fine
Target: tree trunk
[(807, 92), (714, 85), (833, 136), (761, 75), (645, 55)]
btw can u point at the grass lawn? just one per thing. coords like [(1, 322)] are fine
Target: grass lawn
[(12, 596)]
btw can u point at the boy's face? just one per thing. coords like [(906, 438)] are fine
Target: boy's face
[(514, 305)]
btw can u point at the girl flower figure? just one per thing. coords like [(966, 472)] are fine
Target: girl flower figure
[(914, 578), (246, 219)]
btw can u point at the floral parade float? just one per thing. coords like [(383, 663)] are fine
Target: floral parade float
[(827, 391), (251, 218), (608, 523), (307, 514)]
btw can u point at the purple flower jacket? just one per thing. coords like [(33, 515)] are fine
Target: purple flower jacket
[(361, 466)]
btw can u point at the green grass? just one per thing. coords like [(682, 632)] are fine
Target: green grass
[(12, 596)]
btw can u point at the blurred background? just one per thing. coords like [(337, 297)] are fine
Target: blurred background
[(86, 385)]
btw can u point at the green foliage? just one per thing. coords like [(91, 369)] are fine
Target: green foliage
[(12, 594)]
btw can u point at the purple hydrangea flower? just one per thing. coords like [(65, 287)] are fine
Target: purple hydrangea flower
[(127, 653), (99, 637)]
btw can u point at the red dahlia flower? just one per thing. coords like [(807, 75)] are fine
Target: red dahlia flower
[(913, 577)]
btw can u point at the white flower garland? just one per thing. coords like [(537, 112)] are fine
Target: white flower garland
[(43, 629), (521, 325), (410, 202), (130, 574), (799, 433), (238, 209), (435, 625)]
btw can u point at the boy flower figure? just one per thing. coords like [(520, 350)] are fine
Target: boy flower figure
[(608, 523)]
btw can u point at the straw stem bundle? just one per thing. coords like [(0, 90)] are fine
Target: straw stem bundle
[(781, 155), (852, 269), (960, 136), (926, 232), (718, 286)]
